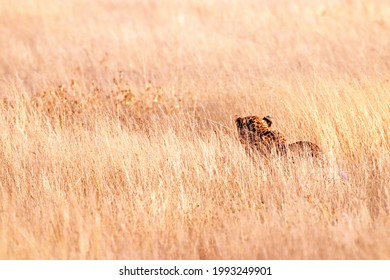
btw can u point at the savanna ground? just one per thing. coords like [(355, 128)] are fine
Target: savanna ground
[(118, 140)]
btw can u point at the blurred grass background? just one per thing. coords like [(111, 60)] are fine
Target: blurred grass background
[(118, 137)]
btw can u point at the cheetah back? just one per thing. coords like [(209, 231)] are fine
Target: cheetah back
[(305, 148)]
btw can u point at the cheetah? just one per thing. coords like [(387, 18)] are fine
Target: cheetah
[(254, 132), (253, 128)]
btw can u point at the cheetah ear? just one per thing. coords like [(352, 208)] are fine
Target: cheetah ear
[(268, 120)]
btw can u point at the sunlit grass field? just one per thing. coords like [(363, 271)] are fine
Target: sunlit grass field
[(118, 138)]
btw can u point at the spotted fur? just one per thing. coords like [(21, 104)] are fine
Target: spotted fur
[(253, 128), (255, 133)]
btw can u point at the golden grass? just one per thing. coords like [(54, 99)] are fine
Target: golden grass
[(118, 139)]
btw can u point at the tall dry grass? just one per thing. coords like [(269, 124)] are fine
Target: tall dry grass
[(118, 140)]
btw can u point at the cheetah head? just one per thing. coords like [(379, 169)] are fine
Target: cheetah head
[(253, 124)]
